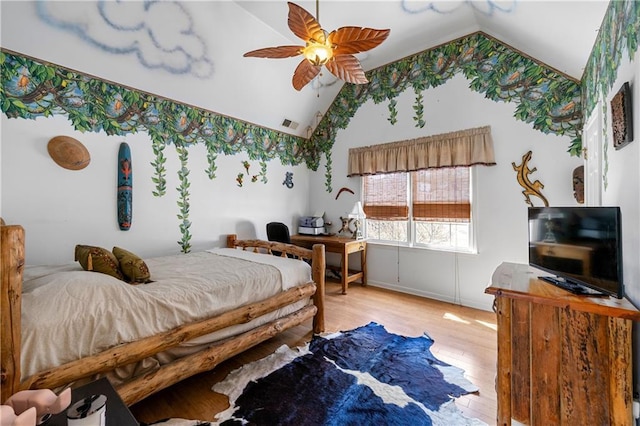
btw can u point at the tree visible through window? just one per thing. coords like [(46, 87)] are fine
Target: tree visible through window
[(429, 207)]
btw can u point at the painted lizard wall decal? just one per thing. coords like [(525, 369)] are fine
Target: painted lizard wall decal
[(530, 189)]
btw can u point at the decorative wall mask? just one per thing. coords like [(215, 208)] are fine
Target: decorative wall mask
[(68, 152), (125, 187), (578, 184), (530, 188)]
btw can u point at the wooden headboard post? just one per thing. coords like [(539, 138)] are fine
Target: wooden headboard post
[(231, 240), (12, 263)]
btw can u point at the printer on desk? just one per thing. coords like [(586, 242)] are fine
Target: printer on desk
[(311, 225)]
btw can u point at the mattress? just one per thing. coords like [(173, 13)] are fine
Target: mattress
[(68, 313)]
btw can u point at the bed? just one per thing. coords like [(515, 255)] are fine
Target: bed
[(186, 336)]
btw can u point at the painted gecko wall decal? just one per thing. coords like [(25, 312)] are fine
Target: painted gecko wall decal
[(530, 188)]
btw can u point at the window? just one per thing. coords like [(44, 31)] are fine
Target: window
[(424, 208), (418, 192)]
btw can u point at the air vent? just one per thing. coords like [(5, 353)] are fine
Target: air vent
[(290, 124)]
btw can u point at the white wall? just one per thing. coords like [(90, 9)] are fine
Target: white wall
[(501, 211), (623, 177), (60, 208), (623, 190)]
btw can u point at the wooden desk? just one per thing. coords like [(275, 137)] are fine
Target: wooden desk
[(344, 246), (563, 359)]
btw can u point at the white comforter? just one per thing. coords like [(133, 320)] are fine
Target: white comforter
[(68, 313)]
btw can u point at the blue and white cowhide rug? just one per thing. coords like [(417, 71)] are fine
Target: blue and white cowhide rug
[(365, 376)]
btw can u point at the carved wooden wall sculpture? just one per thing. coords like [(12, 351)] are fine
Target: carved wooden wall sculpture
[(530, 188)]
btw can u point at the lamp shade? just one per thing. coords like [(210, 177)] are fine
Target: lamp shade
[(357, 211)]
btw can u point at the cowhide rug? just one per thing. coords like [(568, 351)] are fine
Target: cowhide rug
[(365, 376), (178, 422)]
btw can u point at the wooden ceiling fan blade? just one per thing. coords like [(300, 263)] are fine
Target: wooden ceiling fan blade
[(347, 68), (275, 52), (304, 25), (350, 40), (305, 72)]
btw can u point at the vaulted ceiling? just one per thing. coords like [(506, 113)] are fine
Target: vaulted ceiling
[(192, 51)]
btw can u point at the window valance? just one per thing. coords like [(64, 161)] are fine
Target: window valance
[(456, 149)]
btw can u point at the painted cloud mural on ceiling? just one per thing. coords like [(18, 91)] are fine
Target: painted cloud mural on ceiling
[(136, 28)]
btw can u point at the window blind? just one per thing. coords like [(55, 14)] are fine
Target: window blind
[(385, 197), (441, 195)]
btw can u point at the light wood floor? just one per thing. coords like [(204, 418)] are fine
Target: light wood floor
[(464, 337)]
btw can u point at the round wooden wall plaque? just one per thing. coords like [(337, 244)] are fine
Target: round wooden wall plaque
[(68, 152)]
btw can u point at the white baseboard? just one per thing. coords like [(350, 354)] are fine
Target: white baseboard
[(436, 296)]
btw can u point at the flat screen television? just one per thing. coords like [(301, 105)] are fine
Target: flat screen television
[(580, 246)]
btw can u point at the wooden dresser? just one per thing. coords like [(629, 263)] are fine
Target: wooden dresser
[(562, 359)]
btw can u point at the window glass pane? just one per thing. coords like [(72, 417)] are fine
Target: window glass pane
[(387, 230), (443, 234)]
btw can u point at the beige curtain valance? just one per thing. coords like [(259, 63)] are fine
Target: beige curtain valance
[(455, 149)]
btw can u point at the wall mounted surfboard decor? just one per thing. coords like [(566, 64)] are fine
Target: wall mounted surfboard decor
[(125, 187)]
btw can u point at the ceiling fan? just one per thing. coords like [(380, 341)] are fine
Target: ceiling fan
[(333, 50)]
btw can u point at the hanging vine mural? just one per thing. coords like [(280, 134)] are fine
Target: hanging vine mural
[(183, 200), (418, 107)]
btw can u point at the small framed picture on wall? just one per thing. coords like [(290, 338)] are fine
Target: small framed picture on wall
[(622, 117)]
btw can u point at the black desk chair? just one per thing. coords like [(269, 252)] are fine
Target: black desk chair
[(279, 232)]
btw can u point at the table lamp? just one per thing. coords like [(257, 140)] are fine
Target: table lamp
[(358, 216)]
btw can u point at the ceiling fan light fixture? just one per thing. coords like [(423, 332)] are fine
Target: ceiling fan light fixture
[(333, 50), (317, 53)]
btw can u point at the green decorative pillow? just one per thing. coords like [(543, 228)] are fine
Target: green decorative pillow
[(132, 266), (98, 259)]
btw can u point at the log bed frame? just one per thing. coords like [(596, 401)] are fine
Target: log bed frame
[(13, 259)]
